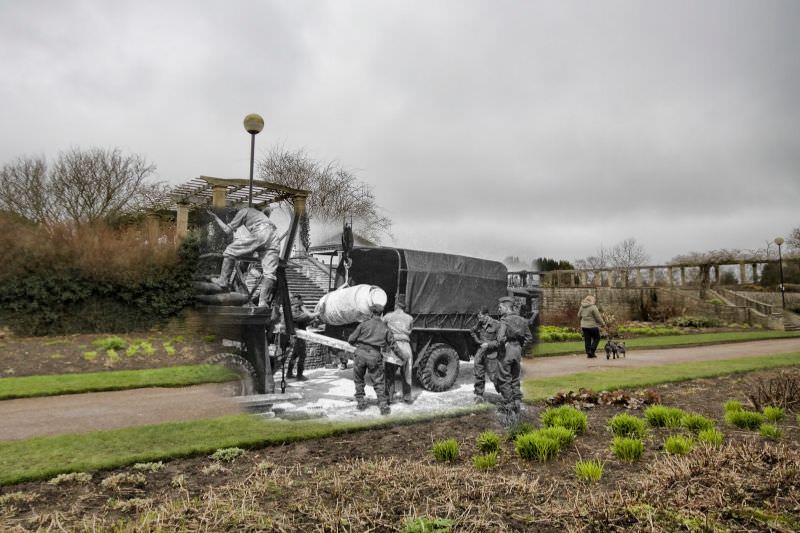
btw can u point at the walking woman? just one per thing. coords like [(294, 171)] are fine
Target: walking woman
[(591, 322)]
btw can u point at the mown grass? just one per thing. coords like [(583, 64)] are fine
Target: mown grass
[(45, 457), (623, 378), (667, 341), (51, 385)]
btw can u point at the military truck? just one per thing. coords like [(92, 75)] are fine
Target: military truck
[(443, 292)]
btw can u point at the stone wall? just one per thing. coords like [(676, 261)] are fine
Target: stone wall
[(773, 298)]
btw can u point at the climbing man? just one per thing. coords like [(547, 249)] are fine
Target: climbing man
[(261, 237), (370, 337), (484, 332), (512, 337), (301, 319), (399, 358)]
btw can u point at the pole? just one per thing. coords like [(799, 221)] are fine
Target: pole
[(783, 290), (252, 156)]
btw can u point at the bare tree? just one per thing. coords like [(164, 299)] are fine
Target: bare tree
[(336, 193), (794, 239), (599, 261), (628, 254), (82, 186)]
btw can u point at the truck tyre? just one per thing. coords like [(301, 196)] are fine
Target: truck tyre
[(244, 385), (438, 369)]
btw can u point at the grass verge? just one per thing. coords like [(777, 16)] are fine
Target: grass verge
[(667, 341), (51, 385), (44, 457), (624, 378)]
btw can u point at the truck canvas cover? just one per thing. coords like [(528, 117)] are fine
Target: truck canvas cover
[(432, 283)]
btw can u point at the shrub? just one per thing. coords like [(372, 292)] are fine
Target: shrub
[(90, 356), (72, 477), (661, 416), (16, 498), (744, 419), (773, 414), (689, 321), (227, 454), (713, 437), (485, 461), (519, 428), (536, 446), (557, 334), (770, 431), (111, 343), (733, 405), (563, 435), (625, 425), (678, 444), (87, 278), (488, 442), (149, 467), (446, 450), (213, 469), (564, 416), (649, 331), (116, 482), (697, 423), (627, 449), (591, 470), (428, 525)]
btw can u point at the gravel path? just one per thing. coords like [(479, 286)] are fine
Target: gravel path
[(328, 391)]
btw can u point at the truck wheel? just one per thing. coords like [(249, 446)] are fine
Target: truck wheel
[(438, 369), (244, 385)]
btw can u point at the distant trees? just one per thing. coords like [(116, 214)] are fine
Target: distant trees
[(625, 255), (545, 264), (336, 192), (80, 186)]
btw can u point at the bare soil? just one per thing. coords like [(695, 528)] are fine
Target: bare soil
[(379, 479), (29, 356)]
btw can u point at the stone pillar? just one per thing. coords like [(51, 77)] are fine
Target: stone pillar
[(639, 280), (151, 228), (610, 278), (670, 274), (182, 221), (716, 274), (652, 277), (218, 196), (597, 279), (742, 274), (683, 276), (755, 272), (582, 278)]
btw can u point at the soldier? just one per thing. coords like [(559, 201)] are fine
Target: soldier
[(370, 337), (302, 319), (484, 332), (512, 336), (400, 357), (262, 238)]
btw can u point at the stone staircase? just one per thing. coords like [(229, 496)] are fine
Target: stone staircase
[(791, 321), (308, 278), (763, 313)]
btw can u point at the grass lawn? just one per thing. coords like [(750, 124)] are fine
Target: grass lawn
[(44, 457), (50, 385), (619, 378), (667, 341)]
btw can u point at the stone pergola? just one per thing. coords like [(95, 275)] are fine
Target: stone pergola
[(214, 192), (643, 276)]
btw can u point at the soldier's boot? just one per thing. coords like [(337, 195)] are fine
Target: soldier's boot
[(478, 399), (362, 404), (385, 410), (517, 406), (225, 273), (290, 373), (265, 298), (408, 399)]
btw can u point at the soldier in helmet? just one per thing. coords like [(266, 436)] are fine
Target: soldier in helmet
[(512, 336), (484, 332), (370, 337)]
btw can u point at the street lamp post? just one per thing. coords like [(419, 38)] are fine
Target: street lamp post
[(779, 242), (253, 124)]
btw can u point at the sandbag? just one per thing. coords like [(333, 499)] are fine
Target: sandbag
[(351, 304)]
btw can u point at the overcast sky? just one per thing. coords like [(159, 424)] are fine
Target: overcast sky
[(487, 128)]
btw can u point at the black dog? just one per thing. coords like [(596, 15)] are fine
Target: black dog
[(617, 349)]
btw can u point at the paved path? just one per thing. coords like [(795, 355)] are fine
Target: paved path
[(328, 392)]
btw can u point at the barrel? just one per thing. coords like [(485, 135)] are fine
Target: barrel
[(351, 304)]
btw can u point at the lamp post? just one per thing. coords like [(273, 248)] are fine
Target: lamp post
[(253, 124), (779, 242)]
